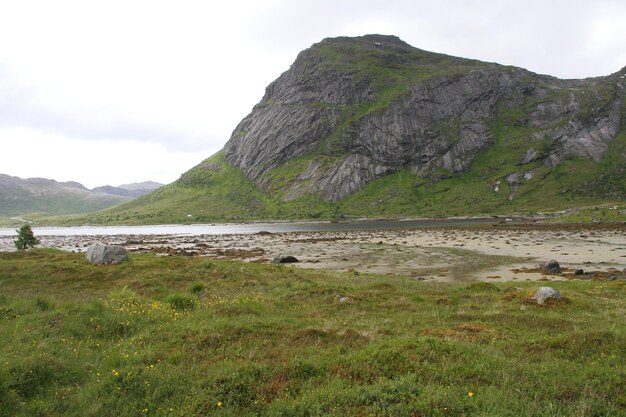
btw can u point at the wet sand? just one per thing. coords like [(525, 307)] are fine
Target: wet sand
[(437, 254)]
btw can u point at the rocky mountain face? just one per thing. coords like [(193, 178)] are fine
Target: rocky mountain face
[(352, 110), (39, 195)]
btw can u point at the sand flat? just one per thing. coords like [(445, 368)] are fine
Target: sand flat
[(434, 254)]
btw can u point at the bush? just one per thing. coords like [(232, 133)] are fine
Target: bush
[(25, 238), (180, 301), (197, 288)]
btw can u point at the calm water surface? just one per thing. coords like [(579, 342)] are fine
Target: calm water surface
[(222, 229)]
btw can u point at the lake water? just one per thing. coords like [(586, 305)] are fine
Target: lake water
[(222, 229)]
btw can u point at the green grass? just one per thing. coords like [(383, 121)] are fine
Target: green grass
[(179, 336), (605, 213)]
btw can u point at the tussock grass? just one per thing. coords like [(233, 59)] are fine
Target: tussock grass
[(183, 336)]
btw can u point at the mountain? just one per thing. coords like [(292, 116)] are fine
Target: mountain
[(371, 126), (129, 190), (141, 186), (39, 195)]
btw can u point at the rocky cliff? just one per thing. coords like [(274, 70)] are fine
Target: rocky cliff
[(352, 110)]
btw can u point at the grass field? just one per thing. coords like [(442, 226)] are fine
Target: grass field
[(181, 336)]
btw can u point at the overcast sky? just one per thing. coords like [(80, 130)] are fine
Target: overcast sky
[(110, 92)]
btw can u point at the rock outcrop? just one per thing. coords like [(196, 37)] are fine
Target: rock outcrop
[(352, 110)]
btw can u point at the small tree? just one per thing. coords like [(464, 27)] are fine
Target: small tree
[(25, 238)]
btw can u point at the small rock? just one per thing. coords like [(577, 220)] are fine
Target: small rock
[(579, 272), (285, 259), (514, 180), (546, 293), (552, 266), (106, 254), (263, 232), (612, 278)]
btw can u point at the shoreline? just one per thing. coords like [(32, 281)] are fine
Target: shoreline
[(485, 252)]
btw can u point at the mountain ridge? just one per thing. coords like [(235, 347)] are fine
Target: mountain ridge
[(136, 189), (19, 196)]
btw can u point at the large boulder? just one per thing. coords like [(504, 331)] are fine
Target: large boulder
[(546, 293), (106, 254)]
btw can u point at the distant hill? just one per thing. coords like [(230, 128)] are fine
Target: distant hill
[(372, 126), (129, 190), (40, 195)]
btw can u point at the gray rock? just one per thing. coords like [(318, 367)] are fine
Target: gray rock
[(514, 180), (285, 259), (552, 267), (546, 293), (579, 272), (106, 254), (529, 156)]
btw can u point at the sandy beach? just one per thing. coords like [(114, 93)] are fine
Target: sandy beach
[(435, 254)]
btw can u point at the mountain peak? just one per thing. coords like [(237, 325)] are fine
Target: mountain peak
[(373, 39)]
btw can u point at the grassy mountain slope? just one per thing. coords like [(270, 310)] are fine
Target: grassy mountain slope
[(211, 191)]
